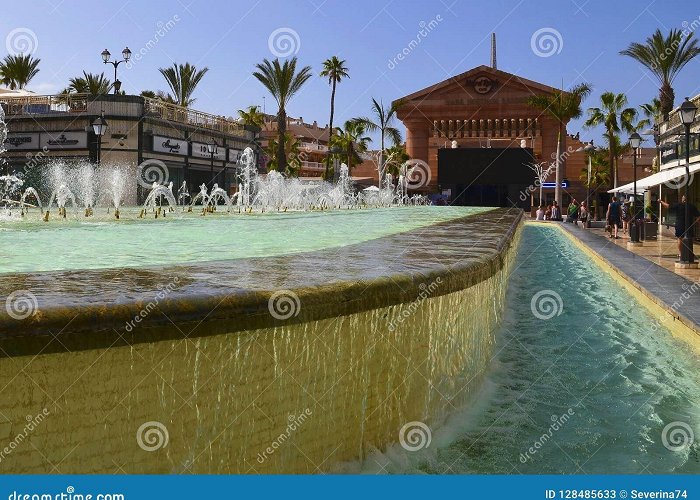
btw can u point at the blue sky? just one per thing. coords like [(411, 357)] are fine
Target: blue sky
[(230, 37)]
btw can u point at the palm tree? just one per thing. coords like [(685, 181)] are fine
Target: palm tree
[(252, 117), (335, 71), (353, 141), (383, 122), (282, 81), (615, 117), (183, 80), (562, 106), (292, 155), (89, 83), (664, 57), (396, 158), (17, 71), (600, 175)]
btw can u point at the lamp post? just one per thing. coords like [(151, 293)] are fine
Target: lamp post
[(687, 114), (635, 142), (211, 147), (99, 126), (126, 55)]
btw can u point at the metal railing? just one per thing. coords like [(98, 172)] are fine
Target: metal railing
[(173, 112), (44, 104), (78, 103), (312, 165)]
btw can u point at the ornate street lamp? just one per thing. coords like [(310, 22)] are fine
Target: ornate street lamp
[(99, 126), (687, 115), (635, 142), (126, 55), (211, 148)]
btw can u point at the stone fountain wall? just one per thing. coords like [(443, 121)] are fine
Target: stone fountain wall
[(296, 398)]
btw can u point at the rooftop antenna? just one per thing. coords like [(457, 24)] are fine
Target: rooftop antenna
[(493, 51)]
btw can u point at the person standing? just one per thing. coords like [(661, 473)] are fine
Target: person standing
[(613, 217), (572, 212), (583, 214), (681, 227), (625, 210), (540, 213), (556, 211)]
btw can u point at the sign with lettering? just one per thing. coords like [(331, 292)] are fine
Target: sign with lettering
[(564, 184), (63, 140), (201, 150), (169, 145), (21, 141)]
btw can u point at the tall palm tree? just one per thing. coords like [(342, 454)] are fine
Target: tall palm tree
[(335, 71), (283, 82), (562, 106), (383, 122), (615, 117), (665, 57), (353, 141), (183, 80), (252, 117), (17, 71), (89, 83)]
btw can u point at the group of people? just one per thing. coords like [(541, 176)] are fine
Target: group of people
[(619, 216), (575, 212), (549, 212)]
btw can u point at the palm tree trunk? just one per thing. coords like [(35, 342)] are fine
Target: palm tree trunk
[(381, 161), (281, 133), (330, 132), (349, 158), (557, 186), (666, 96)]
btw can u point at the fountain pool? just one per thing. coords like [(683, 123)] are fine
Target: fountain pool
[(180, 238)]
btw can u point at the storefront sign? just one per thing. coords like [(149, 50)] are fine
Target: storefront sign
[(169, 145), (22, 141), (201, 150), (63, 140)]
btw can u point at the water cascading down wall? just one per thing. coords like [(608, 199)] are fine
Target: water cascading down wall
[(287, 364)]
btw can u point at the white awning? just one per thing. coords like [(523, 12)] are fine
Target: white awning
[(668, 175)]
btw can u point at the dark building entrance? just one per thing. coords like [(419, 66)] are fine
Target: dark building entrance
[(487, 177)]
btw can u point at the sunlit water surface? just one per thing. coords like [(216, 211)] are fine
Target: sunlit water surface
[(620, 382), (102, 242)]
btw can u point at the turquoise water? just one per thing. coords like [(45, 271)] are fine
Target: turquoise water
[(101, 242), (618, 381)]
